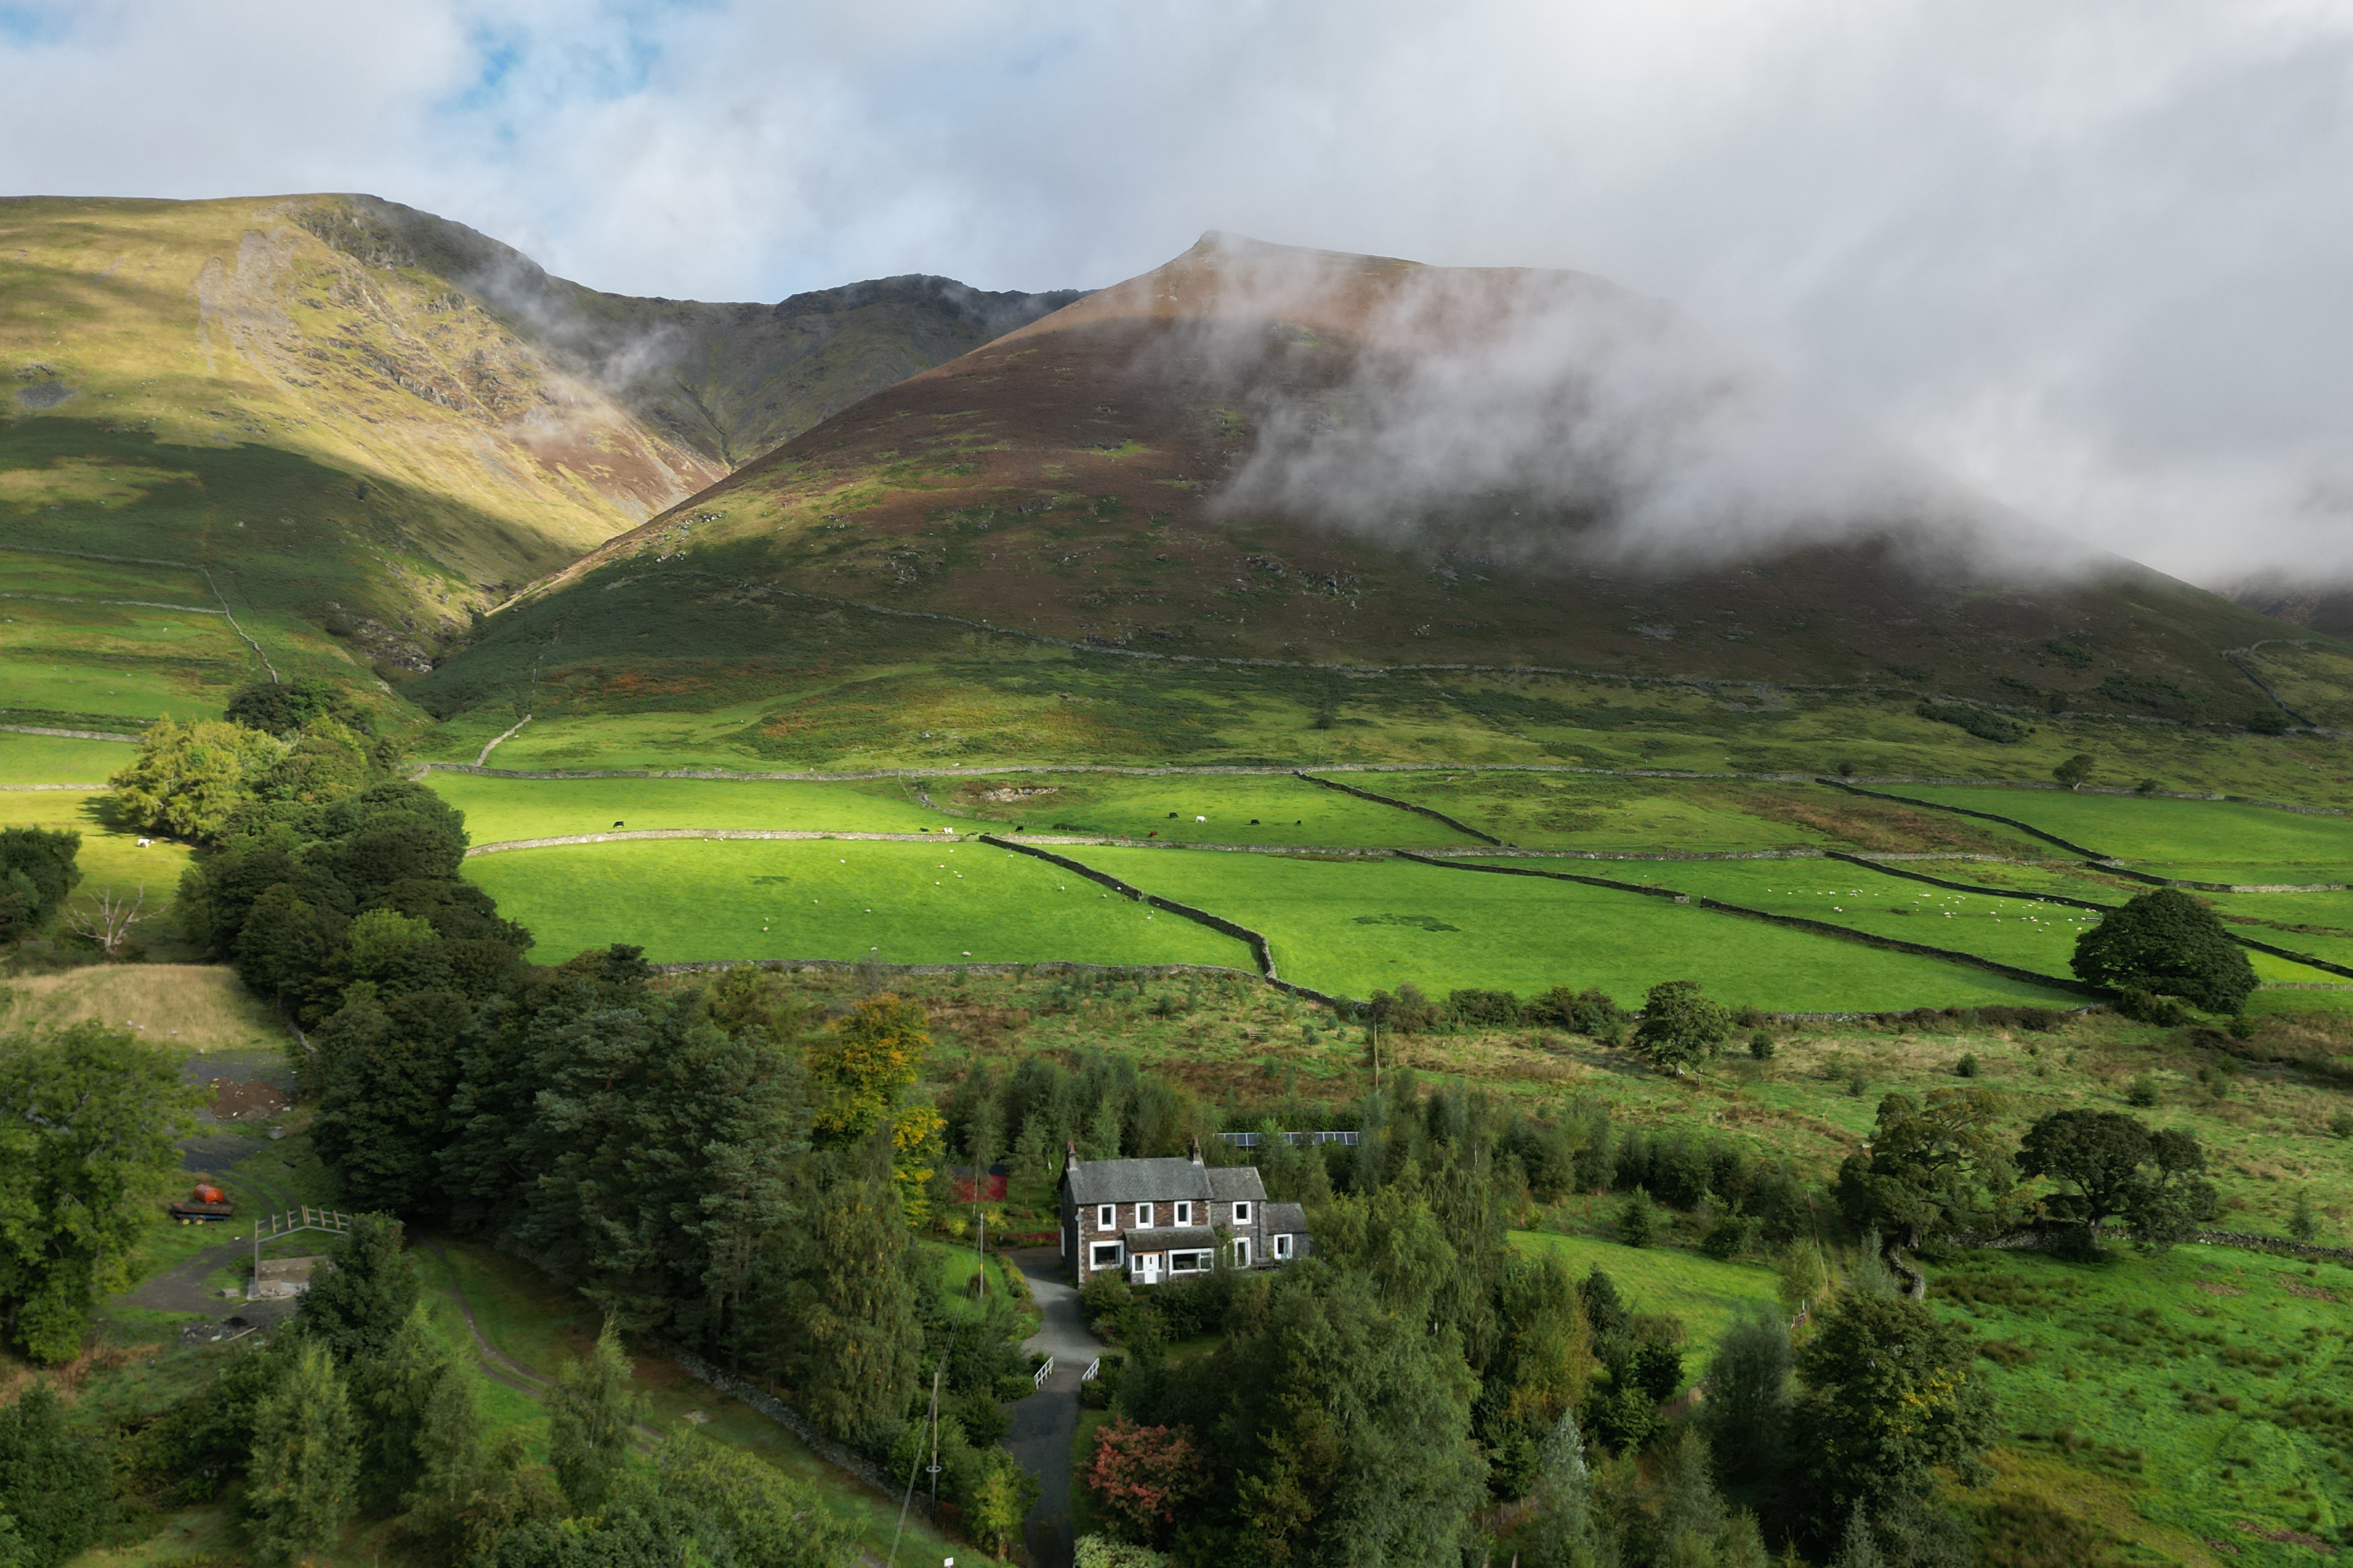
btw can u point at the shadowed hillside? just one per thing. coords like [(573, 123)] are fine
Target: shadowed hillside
[(1261, 453)]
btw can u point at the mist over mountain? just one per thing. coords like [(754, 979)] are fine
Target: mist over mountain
[(1259, 452)]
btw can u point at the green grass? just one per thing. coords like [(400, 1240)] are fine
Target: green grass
[(109, 857), (1708, 1296), (51, 759), (1352, 928), (1569, 811), (2025, 932), (898, 903), (2214, 1385), (2174, 837), (500, 809), (1239, 808)]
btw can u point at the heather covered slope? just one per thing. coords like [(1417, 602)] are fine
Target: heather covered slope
[(1224, 458)]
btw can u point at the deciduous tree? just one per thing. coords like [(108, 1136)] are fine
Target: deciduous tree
[(356, 1306), (189, 780), (89, 1117), (1931, 1167), (1140, 1475), (2168, 944), (860, 1066), (590, 1412), (1891, 1394), (1680, 1024)]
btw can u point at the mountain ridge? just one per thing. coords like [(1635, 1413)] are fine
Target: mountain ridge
[(1075, 480)]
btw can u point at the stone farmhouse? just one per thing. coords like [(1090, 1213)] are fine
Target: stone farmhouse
[(1168, 1219)]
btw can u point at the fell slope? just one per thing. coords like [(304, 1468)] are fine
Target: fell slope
[(1100, 476), (365, 419)]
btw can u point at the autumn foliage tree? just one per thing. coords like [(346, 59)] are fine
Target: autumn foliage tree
[(1139, 1474), (860, 1066)]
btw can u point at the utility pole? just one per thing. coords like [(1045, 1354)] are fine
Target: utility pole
[(935, 1467), (1376, 1056), (908, 1501), (980, 1217)]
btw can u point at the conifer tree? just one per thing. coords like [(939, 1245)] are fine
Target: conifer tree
[(412, 1423), (55, 1483), (304, 1477), (589, 1415), (860, 1333), (1562, 1534)]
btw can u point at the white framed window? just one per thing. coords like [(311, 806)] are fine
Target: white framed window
[(1241, 1252), (1106, 1217), (1104, 1255), (1283, 1249), (1188, 1263), (1241, 1214), (1143, 1216)]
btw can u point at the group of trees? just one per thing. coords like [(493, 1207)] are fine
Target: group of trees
[(1939, 1165), (1367, 1402), (1409, 1011), (359, 1407)]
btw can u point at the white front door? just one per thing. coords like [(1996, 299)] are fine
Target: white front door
[(1152, 1268)]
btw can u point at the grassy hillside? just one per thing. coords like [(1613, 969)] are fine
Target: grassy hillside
[(352, 426)]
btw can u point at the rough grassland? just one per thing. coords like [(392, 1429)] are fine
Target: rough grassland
[(1707, 1295), (500, 809), (51, 759), (898, 903), (193, 1006), (2212, 1382), (1354, 927)]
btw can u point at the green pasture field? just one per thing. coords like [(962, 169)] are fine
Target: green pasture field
[(1353, 927), (2213, 1384), (126, 660), (53, 759), (1239, 808), (851, 900), (1573, 811), (2317, 923), (2021, 932), (498, 810), (1708, 1296), (2174, 837), (109, 856)]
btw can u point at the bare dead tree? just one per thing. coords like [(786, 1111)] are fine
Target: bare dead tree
[(109, 922)]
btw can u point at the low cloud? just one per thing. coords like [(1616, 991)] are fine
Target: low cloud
[(1549, 416)]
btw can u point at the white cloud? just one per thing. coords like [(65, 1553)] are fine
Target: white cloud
[(2088, 258)]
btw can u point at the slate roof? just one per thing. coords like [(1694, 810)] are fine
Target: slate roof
[(1286, 1218), (1162, 1238), (1161, 1181)]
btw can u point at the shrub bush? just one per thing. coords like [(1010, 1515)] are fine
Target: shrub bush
[(1760, 1045), (1967, 1066)]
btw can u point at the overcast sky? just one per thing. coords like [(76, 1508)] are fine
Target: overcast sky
[(2092, 259)]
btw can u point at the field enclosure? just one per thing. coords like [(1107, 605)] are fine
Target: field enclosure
[(1344, 914)]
